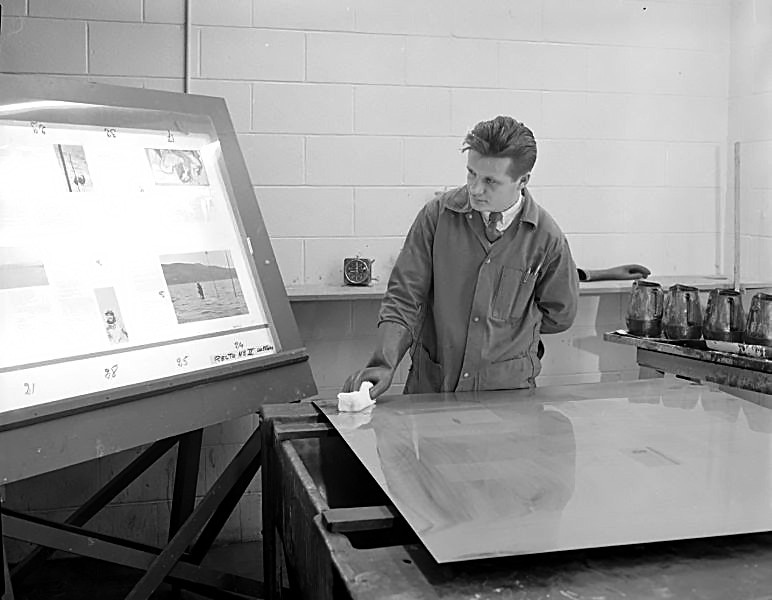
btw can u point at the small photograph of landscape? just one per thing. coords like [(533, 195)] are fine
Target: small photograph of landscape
[(203, 285)]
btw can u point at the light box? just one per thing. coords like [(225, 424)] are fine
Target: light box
[(132, 249)]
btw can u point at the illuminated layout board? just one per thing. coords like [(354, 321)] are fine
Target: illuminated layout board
[(122, 257)]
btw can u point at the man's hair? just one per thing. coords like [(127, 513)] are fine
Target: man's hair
[(504, 137)]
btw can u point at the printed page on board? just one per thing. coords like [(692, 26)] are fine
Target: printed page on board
[(121, 257)]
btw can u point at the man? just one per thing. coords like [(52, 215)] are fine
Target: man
[(483, 272)]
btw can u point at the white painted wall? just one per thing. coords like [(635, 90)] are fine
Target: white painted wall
[(351, 113), (750, 124)]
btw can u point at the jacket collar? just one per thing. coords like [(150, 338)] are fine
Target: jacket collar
[(457, 200)]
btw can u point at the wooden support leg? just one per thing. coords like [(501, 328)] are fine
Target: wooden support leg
[(171, 554), (185, 479), (6, 589), (98, 501), (271, 562)]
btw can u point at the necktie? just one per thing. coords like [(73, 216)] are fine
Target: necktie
[(491, 232)]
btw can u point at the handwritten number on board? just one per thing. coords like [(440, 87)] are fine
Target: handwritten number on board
[(111, 372), (29, 389), (110, 131), (38, 127), (182, 361), (170, 136)]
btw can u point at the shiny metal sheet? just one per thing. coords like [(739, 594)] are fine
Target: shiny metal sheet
[(488, 474)]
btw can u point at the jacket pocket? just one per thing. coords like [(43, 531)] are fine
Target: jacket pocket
[(425, 376), (513, 293), (512, 374)]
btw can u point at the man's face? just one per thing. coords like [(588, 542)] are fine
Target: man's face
[(491, 187)]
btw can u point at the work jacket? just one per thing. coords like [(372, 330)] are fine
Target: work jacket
[(475, 309)]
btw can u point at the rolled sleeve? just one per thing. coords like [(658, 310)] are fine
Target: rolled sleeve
[(557, 294), (410, 281)]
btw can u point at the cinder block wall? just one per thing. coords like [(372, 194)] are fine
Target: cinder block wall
[(351, 114), (750, 124)]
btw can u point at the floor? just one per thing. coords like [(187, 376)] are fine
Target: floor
[(89, 579)]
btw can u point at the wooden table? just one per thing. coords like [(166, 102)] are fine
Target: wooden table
[(692, 359), (341, 536), (58, 438)]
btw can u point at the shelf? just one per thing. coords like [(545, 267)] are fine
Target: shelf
[(329, 292)]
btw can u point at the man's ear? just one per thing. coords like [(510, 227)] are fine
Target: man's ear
[(525, 179)]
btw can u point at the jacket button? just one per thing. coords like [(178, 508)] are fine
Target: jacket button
[(476, 319), (487, 261), (466, 375)]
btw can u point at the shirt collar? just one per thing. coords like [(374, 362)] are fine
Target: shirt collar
[(457, 200)]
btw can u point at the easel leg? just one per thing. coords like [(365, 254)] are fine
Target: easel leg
[(6, 589), (247, 458)]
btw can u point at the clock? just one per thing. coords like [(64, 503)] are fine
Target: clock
[(357, 271)]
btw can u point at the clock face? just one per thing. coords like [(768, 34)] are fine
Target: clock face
[(356, 271)]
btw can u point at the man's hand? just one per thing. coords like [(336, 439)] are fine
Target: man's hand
[(393, 342), (631, 271), (380, 377)]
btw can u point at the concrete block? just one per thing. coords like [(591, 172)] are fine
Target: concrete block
[(324, 257), (236, 13), (469, 107), (164, 11), (401, 110), (251, 515), (15, 8), (658, 71), (355, 58), (48, 46), (104, 10), (451, 62), (622, 209), (323, 320), (405, 17), (654, 24), (498, 20), (253, 54), (307, 212), (302, 108), (365, 315), (583, 116), (540, 66), (355, 160), (151, 50), (625, 163), (690, 253), (560, 162), (686, 119), (237, 95), (755, 161), (289, 257), (273, 159), (388, 211), (434, 162), (693, 165), (298, 14)]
